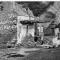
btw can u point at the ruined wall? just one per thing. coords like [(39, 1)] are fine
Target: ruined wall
[(12, 9)]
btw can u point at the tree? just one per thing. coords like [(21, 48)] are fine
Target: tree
[(37, 8)]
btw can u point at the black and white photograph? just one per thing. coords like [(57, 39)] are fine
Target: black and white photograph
[(30, 30)]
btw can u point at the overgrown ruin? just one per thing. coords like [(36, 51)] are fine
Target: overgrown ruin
[(46, 12)]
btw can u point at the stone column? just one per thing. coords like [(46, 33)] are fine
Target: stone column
[(41, 33), (56, 31), (21, 31)]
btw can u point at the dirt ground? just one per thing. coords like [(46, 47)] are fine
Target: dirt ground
[(40, 54)]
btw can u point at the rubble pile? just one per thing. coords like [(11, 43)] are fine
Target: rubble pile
[(28, 41)]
